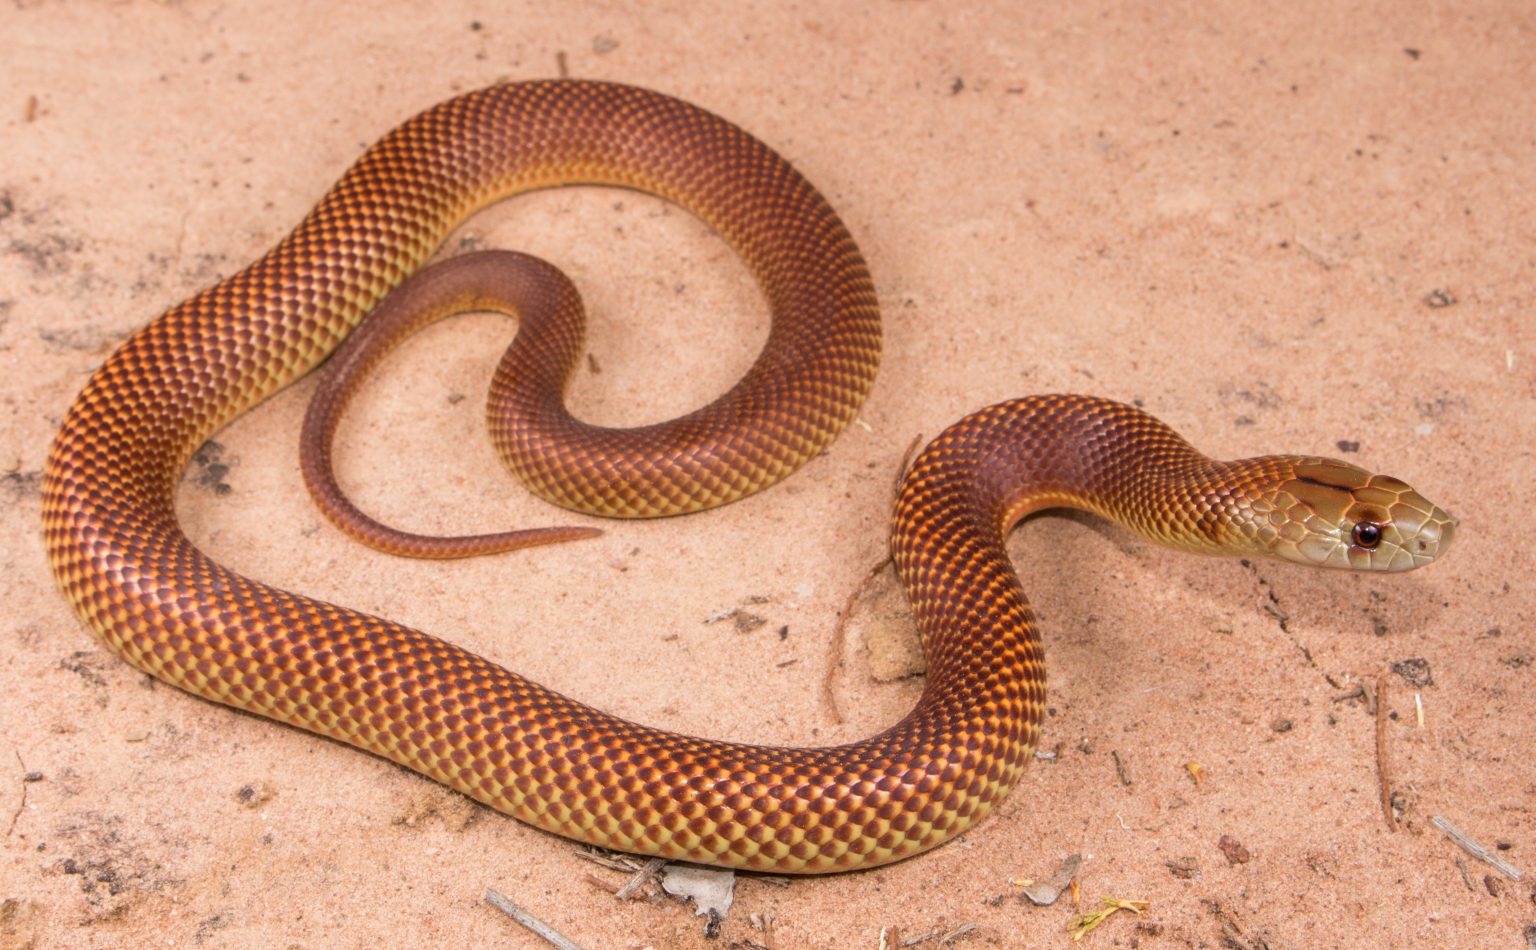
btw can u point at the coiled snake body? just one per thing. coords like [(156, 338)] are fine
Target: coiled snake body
[(119, 555)]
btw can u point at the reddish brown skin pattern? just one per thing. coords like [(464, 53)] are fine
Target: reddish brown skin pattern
[(119, 555), (121, 558), (548, 308)]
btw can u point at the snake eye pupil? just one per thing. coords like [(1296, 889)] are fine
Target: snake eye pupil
[(1367, 534)]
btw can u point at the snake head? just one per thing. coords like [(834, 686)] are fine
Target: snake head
[(1330, 513)]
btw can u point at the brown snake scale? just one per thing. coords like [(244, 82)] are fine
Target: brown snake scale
[(123, 561)]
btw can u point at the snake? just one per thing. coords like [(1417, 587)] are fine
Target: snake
[(121, 558)]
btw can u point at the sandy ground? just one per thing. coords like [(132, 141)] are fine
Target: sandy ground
[(1280, 227)]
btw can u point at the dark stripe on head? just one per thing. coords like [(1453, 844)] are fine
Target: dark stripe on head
[(1309, 480)]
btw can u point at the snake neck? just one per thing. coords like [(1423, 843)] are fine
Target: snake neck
[(986, 473)]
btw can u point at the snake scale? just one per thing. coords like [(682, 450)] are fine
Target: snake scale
[(122, 560)]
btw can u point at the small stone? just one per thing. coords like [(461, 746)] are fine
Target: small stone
[(255, 794), (1439, 299), (1414, 671), (1185, 868), (1234, 850)]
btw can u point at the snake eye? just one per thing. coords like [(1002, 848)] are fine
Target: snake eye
[(1367, 534)]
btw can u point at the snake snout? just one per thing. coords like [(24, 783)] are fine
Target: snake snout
[(1422, 532)]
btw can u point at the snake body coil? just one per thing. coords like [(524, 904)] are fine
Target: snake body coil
[(121, 558)]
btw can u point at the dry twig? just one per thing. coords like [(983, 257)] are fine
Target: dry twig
[(640, 878), (839, 631), (550, 935), (906, 464), (944, 938), (1475, 849), (612, 860), (1383, 761), (26, 779)]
